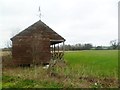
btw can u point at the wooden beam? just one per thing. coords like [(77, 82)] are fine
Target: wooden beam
[(58, 40)]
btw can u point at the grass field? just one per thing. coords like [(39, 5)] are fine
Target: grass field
[(94, 62), (83, 69)]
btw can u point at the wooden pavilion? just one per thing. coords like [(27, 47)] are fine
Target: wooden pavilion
[(36, 45)]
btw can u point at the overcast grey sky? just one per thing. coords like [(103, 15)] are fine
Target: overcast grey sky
[(78, 21)]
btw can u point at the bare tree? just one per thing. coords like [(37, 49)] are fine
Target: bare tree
[(9, 45), (114, 44)]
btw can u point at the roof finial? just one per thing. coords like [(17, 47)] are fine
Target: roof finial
[(39, 10)]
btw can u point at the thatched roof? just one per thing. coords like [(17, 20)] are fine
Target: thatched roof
[(42, 28)]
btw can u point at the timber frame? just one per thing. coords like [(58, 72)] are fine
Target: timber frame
[(56, 53)]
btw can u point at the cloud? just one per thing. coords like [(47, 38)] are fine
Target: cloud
[(78, 21)]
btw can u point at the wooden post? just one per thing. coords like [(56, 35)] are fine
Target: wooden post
[(51, 51), (54, 48), (58, 54), (63, 49), (58, 47), (54, 51)]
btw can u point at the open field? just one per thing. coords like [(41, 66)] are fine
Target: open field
[(83, 69), (95, 62)]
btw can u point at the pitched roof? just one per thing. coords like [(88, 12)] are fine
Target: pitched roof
[(40, 27)]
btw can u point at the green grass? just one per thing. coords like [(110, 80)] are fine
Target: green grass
[(82, 69), (94, 62), (19, 80)]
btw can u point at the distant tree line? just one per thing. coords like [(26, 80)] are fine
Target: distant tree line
[(77, 47), (86, 46), (114, 45)]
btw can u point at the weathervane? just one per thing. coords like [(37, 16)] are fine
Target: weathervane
[(39, 10)]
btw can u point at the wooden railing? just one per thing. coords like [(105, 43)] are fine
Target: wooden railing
[(57, 55)]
